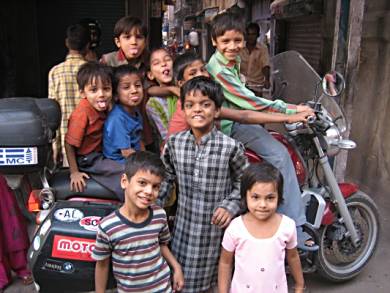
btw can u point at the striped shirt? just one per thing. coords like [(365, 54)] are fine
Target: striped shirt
[(134, 249), (64, 89), (227, 74), (208, 176)]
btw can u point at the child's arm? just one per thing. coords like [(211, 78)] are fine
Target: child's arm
[(77, 178), (296, 269), (230, 205), (178, 276), (101, 275), (170, 175), (163, 91), (225, 268), (256, 117)]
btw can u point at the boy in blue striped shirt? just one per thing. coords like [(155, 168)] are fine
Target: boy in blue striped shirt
[(135, 237)]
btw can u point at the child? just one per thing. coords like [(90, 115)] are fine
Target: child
[(258, 241), (130, 37), (207, 166), (224, 66), (63, 85), (83, 141), (188, 66), (123, 127), (135, 237), (161, 109)]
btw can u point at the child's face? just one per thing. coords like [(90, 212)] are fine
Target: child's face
[(132, 43), (196, 68), (229, 44), (141, 190), (161, 64), (262, 200), (200, 111), (98, 94), (130, 91)]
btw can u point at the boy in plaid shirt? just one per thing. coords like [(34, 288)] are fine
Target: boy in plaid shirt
[(63, 84), (207, 167)]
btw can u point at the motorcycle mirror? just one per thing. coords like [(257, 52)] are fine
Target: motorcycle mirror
[(333, 84)]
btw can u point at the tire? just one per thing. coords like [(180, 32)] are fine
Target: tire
[(337, 259)]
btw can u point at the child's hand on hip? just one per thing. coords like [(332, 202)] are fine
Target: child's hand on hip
[(221, 218), (178, 279)]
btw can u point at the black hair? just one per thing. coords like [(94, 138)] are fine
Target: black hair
[(144, 161), (77, 37), (254, 26), (151, 54), (93, 70), (127, 23), (262, 172), (226, 21), (181, 62), (121, 71), (206, 86)]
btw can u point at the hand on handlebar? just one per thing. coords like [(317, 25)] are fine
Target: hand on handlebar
[(300, 117), (77, 181)]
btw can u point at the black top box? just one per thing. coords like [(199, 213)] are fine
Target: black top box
[(27, 127)]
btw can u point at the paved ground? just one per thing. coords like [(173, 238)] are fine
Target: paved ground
[(374, 279)]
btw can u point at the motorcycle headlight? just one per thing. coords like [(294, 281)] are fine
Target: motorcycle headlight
[(332, 137)]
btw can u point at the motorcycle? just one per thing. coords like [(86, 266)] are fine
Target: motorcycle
[(60, 252), (343, 220)]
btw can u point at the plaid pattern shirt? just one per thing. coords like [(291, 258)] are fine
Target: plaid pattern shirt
[(64, 89), (237, 95), (208, 175)]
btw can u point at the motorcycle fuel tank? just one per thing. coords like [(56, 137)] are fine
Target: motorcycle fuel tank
[(60, 253)]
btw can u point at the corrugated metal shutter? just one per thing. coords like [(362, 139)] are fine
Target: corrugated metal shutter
[(304, 35)]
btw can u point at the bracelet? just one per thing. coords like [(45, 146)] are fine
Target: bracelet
[(300, 288)]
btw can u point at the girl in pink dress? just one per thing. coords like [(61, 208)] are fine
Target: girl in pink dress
[(259, 241)]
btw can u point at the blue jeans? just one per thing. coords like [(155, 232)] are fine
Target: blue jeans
[(256, 138)]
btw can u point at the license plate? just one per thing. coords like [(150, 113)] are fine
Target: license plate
[(18, 156)]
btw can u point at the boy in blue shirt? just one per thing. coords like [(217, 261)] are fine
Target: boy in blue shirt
[(122, 134)]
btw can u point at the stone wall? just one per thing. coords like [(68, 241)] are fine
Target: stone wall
[(369, 164)]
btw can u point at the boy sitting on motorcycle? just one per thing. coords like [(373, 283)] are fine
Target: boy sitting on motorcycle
[(224, 66), (83, 140)]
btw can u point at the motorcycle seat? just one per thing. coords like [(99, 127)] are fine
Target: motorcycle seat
[(60, 182)]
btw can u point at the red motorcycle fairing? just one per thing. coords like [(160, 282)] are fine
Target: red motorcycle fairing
[(299, 166), (347, 189)]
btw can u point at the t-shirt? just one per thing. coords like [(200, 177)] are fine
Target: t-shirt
[(85, 128), (134, 248), (121, 131), (259, 263)]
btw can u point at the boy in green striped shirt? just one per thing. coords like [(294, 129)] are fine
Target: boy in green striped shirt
[(227, 32)]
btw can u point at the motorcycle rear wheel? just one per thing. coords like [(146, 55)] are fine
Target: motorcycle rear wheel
[(337, 259)]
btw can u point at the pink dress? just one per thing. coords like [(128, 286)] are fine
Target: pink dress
[(259, 263)]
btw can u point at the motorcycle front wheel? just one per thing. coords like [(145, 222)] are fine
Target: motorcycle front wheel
[(338, 259)]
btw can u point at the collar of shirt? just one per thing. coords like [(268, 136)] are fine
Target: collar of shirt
[(134, 115), (206, 137), (93, 115), (120, 56), (222, 59), (74, 57)]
